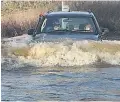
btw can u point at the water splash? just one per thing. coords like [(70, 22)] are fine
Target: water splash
[(66, 53)]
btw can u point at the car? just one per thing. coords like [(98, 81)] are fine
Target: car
[(74, 25)]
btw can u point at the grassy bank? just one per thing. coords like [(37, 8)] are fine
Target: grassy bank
[(19, 16)]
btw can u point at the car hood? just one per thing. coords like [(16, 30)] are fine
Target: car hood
[(63, 36)]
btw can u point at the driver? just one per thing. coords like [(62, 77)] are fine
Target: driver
[(88, 27)]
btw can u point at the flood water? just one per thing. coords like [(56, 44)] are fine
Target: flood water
[(67, 71)]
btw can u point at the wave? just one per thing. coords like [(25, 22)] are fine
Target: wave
[(66, 53)]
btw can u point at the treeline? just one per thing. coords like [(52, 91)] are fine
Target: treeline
[(19, 16), (14, 6)]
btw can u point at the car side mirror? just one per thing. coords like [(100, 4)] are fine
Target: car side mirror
[(104, 30), (31, 31)]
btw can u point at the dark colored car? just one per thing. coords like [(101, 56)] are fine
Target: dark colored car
[(54, 26)]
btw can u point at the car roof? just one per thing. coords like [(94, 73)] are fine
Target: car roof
[(73, 13)]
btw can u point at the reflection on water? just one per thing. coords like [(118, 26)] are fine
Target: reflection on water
[(61, 71)]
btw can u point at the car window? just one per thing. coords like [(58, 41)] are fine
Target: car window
[(82, 24)]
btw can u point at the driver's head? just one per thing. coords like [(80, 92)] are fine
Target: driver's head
[(88, 27)]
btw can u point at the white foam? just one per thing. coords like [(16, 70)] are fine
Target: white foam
[(18, 41), (67, 53)]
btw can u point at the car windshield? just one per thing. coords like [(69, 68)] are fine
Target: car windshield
[(72, 24)]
